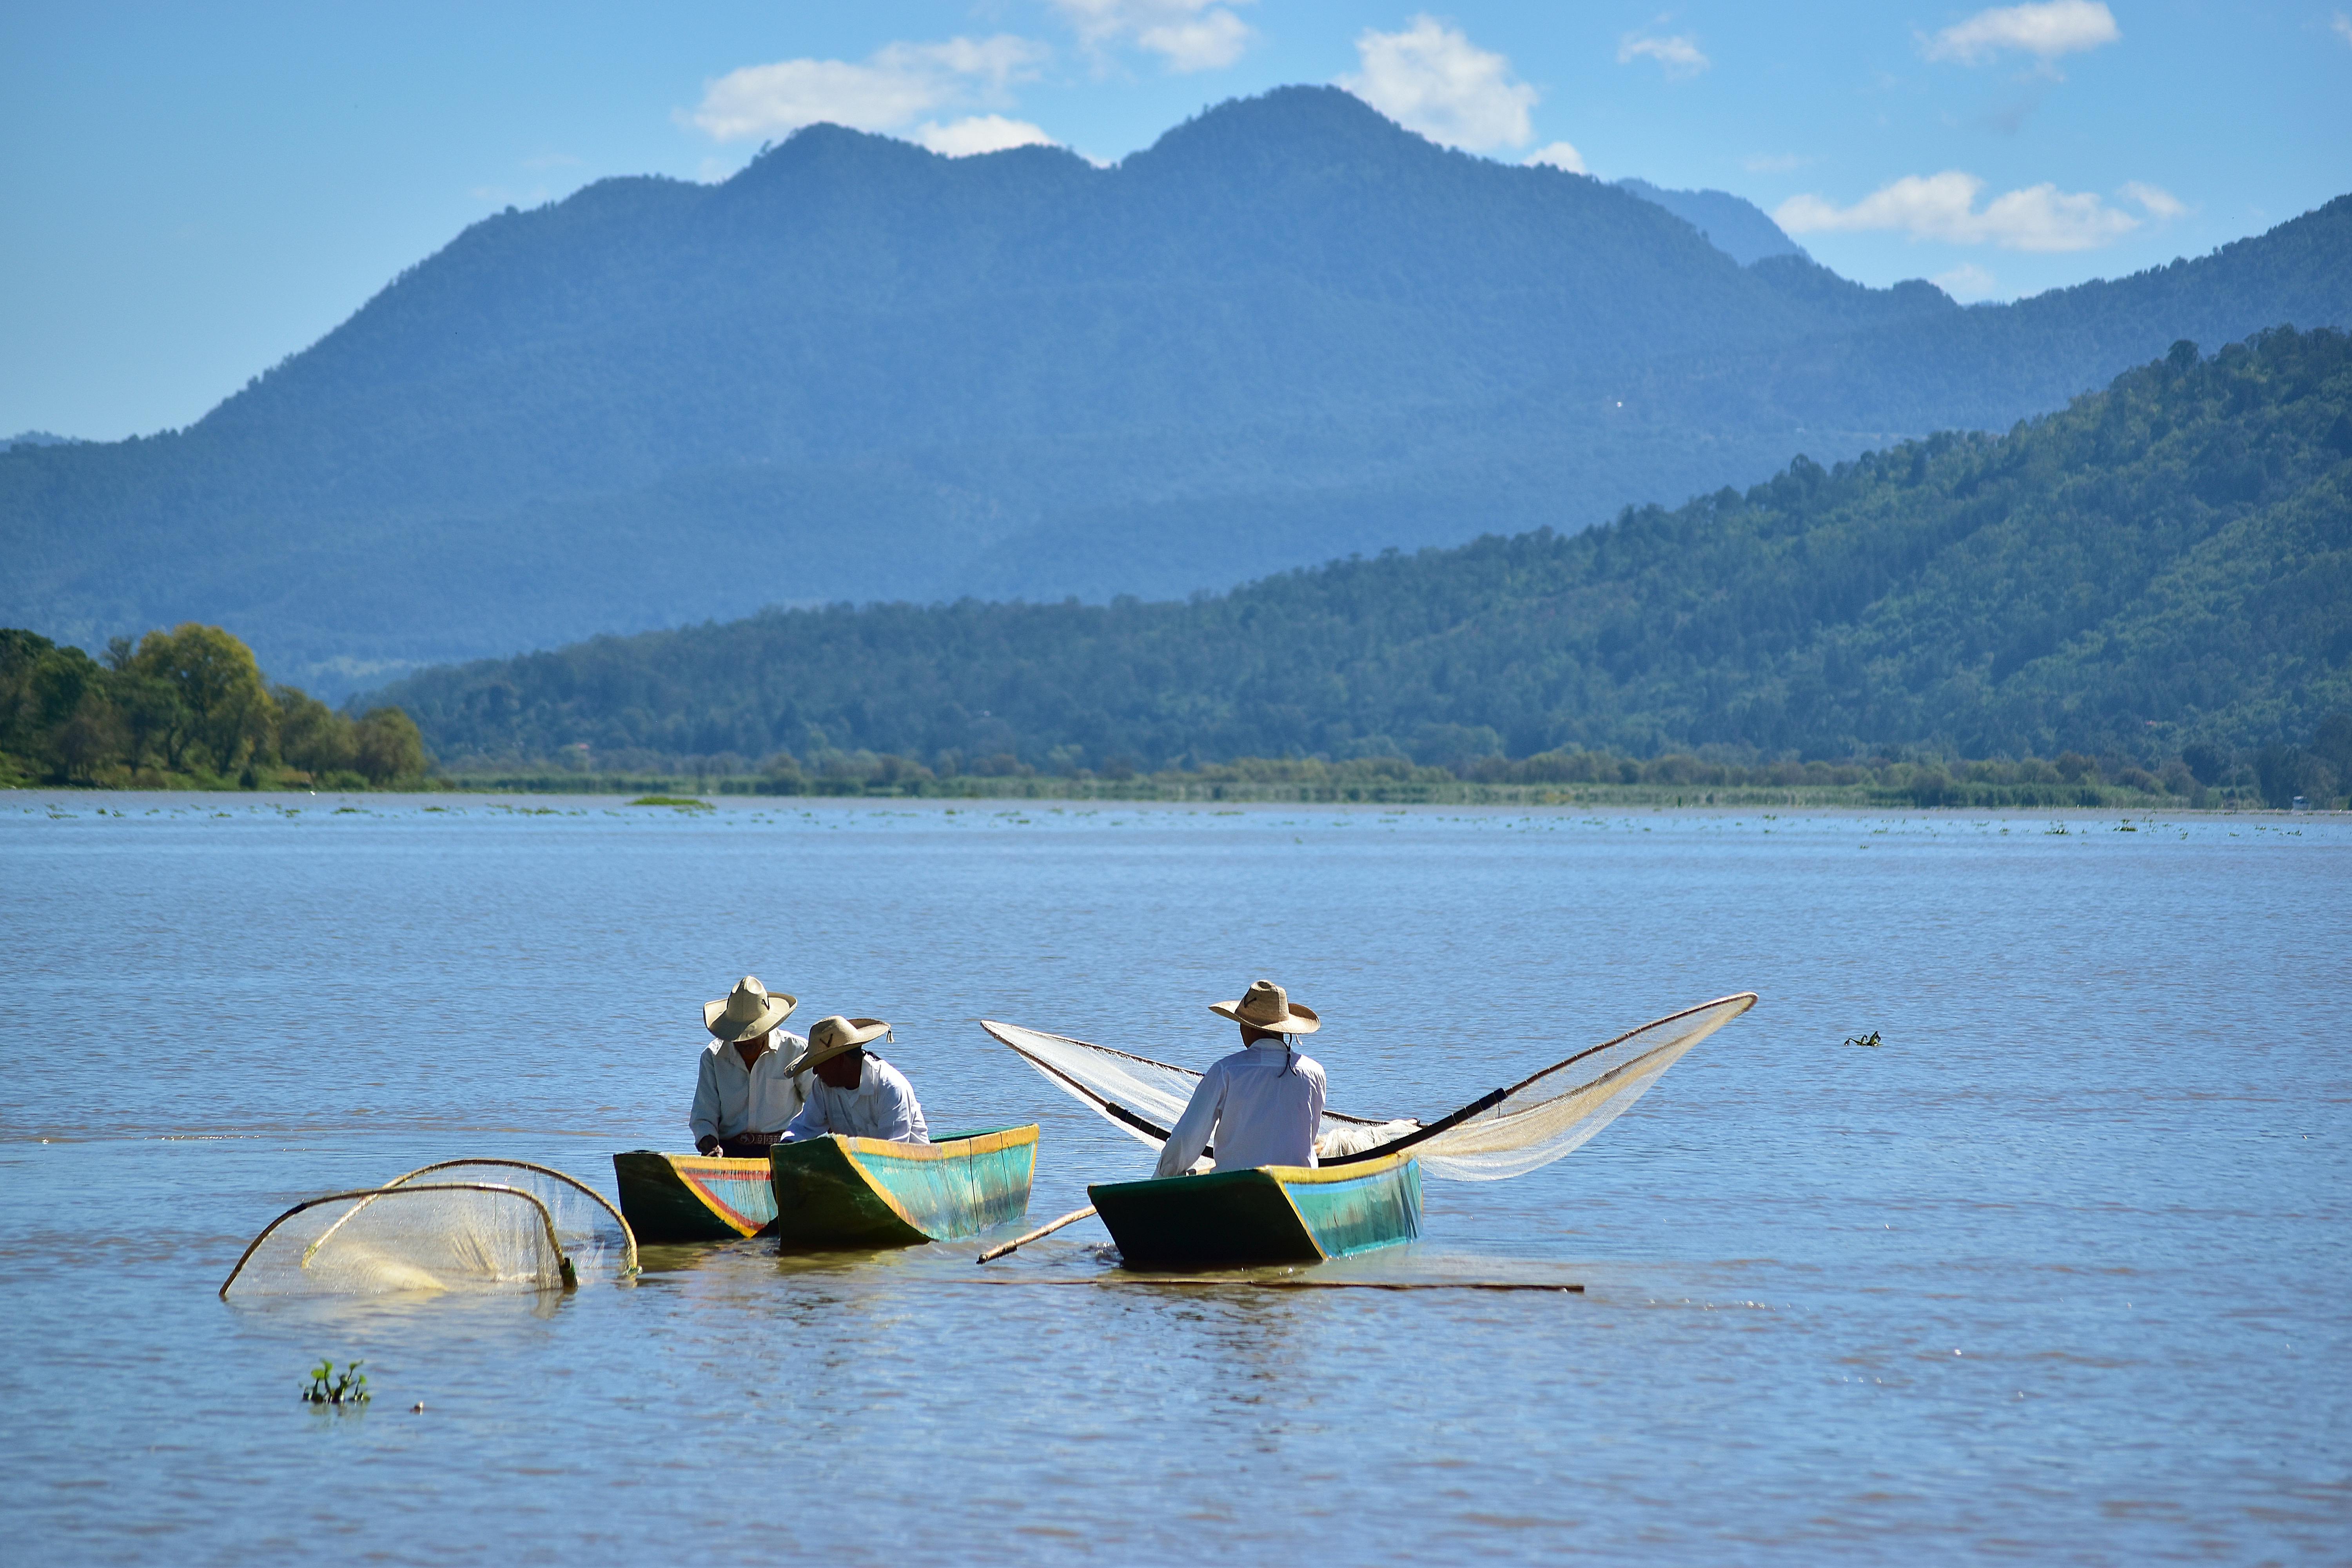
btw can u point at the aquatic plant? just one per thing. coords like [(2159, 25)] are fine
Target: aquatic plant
[(327, 1386)]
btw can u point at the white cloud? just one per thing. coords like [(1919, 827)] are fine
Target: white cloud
[(2342, 26), (1187, 34), (2159, 202), (1773, 163), (1679, 55), (1967, 282), (2045, 31), (980, 133), (1432, 78), (895, 85), (1558, 155), (1943, 208)]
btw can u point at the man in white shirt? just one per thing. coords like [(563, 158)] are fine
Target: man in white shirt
[(1262, 1105), (745, 1091), (856, 1093)]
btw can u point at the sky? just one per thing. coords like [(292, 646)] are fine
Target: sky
[(189, 194)]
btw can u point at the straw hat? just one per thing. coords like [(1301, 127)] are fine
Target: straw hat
[(1268, 1006), (749, 1010), (831, 1037)]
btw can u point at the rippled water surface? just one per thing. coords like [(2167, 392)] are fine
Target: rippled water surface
[(2058, 1271)]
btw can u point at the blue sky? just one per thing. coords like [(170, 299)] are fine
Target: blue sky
[(191, 194)]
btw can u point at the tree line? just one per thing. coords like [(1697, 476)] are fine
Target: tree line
[(184, 707)]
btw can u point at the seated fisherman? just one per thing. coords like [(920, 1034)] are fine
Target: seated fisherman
[(857, 1094), (1262, 1105), (746, 1091)]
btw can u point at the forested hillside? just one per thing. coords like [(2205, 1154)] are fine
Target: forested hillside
[(2163, 569), (1288, 330)]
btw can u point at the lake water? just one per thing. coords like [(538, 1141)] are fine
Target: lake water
[(2058, 1271)]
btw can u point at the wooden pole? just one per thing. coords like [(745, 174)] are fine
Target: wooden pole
[(1001, 1249)]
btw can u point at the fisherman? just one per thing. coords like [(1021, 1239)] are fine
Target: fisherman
[(857, 1094), (1262, 1105), (746, 1091)]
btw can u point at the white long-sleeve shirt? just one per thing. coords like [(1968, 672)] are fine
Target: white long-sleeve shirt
[(1254, 1112), (881, 1106), (729, 1100)]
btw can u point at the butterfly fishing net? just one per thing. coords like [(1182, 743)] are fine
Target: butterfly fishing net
[(1556, 1111), (588, 1228), (423, 1236), (1506, 1132), (1135, 1093)]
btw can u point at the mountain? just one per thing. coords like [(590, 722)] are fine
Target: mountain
[(2162, 566), (1737, 227), (1288, 330)]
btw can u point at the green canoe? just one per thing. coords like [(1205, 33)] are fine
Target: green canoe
[(833, 1192), (1274, 1214), (670, 1198)]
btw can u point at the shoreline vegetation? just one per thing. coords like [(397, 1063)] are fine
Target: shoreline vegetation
[(187, 708), (1583, 778)]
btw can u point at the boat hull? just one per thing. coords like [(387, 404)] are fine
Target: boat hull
[(1272, 1215), (673, 1198), (835, 1193)]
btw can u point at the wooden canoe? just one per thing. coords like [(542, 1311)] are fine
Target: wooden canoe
[(835, 1193), (671, 1198), (1274, 1214)]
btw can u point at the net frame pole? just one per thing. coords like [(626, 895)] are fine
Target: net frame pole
[(546, 1220)]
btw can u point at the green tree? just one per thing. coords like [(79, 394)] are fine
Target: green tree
[(222, 705), (386, 746), (312, 736)]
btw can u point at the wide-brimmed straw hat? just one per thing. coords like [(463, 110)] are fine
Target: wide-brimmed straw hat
[(749, 1010), (1269, 1007), (829, 1038)]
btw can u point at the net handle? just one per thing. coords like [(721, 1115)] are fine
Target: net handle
[(546, 1220), (627, 1235)]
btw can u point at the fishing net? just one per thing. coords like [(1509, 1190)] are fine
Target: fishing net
[(1508, 1133), (1556, 1111), (1136, 1093), (420, 1237), (590, 1230)]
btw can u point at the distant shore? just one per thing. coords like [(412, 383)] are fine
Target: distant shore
[(687, 791)]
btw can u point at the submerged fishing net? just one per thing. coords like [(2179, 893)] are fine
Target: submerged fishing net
[(425, 1235), (460, 1225), (588, 1228), (1508, 1133)]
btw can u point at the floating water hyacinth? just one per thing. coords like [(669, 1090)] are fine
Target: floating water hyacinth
[(327, 1386)]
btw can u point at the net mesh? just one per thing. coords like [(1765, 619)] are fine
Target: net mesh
[(1557, 1110), (591, 1231), (1154, 1093), (1506, 1133), (424, 1236)]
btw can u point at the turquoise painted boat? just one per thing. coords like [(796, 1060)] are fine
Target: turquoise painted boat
[(1274, 1214), (673, 1198), (835, 1193)]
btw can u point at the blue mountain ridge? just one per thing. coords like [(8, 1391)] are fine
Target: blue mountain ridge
[(1288, 330)]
